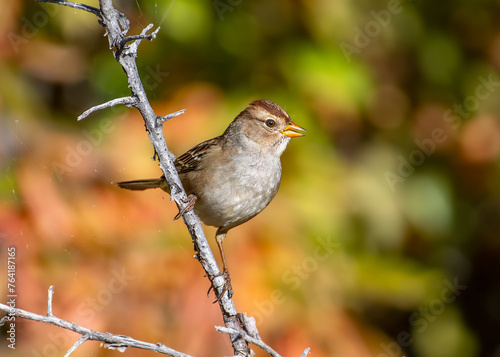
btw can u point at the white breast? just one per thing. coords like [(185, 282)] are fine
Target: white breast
[(239, 191)]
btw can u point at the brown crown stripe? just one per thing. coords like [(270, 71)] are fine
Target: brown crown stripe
[(270, 107)]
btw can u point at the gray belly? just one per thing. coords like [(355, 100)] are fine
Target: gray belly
[(236, 197)]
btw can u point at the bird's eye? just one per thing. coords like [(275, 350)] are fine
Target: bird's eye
[(271, 123)]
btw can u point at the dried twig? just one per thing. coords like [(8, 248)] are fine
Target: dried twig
[(160, 120), (248, 338), (75, 5), (128, 101), (255, 341), (49, 301), (122, 47), (77, 344), (109, 339), (142, 36), (306, 352)]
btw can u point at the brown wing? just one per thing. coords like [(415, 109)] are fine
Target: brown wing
[(190, 160)]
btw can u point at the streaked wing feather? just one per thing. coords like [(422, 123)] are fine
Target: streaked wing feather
[(191, 159)]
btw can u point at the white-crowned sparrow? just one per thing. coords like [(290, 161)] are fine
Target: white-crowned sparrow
[(236, 175)]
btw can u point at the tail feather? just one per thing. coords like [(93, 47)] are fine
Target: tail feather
[(140, 185)]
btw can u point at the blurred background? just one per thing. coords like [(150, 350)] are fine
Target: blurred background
[(384, 237)]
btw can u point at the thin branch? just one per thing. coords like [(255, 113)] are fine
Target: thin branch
[(306, 352), (77, 344), (75, 5), (108, 338), (128, 101), (49, 301), (248, 324), (255, 341), (4, 319), (142, 36), (162, 119), (123, 48), (248, 338)]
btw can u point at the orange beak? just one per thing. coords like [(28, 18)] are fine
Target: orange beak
[(292, 130)]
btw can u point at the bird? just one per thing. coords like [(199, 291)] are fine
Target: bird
[(231, 178)]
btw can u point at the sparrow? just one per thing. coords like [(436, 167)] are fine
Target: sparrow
[(233, 177)]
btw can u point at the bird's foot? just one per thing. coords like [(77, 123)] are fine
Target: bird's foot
[(191, 200), (226, 287)]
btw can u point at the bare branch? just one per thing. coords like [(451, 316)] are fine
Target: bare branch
[(160, 120), (255, 341), (124, 49), (77, 344), (75, 5), (142, 36), (108, 338), (248, 338), (248, 324), (128, 101), (49, 301), (306, 352), (116, 24), (3, 319)]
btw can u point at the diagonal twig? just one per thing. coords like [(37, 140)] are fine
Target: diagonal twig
[(77, 344), (128, 101), (142, 36), (162, 119), (75, 5), (249, 339), (255, 341), (306, 352), (123, 47), (110, 340)]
